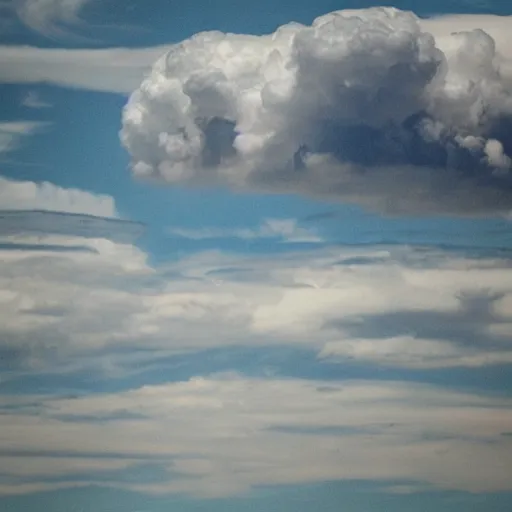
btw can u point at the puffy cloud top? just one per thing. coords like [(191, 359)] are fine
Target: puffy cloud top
[(361, 105)]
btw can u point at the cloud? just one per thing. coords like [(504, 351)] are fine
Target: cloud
[(398, 307), (33, 100), (122, 69), (48, 16), (29, 195), (362, 106), (28, 202), (48, 222), (286, 230), (118, 70), (31, 213), (224, 434), (13, 132), (108, 311), (51, 18)]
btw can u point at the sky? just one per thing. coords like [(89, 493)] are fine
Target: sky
[(255, 257)]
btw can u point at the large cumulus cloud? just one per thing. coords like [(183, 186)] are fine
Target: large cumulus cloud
[(363, 106)]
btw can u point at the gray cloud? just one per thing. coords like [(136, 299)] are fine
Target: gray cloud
[(362, 106), (46, 222), (467, 326), (476, 330)]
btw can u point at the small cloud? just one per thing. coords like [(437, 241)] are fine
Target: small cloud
[(284, 230), (13, 132), (33, 100), (30, 195), (51, 18)]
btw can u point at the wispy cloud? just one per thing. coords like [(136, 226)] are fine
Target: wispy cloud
[(122, 69), (285, 230), (396, 308), (221, 435), (19, 223), (33, 100), (50, 18), (108, 70)]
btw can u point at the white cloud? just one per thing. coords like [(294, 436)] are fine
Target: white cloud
[(107, 70), (51, 18), (287, 230), (13, 132), (361, 106), (223, 434), (122, 69), (29, 195), (399, 308), (63, 311), (412, 352), (47, 16), (443, 26)]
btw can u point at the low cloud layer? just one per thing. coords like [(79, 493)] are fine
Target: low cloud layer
[(399, 307), (362, 106), (105, 310), (222, 435)]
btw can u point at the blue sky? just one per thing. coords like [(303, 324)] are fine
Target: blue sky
[(267, 273)]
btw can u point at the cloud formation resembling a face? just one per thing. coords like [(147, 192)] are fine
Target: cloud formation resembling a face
[(361, 106)]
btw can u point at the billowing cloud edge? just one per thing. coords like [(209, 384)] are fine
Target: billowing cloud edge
[(363, 106)]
